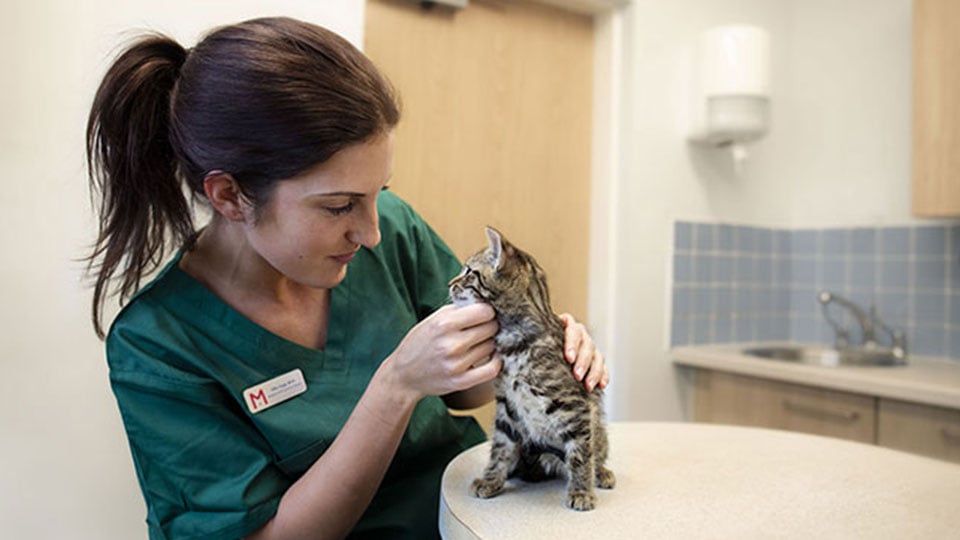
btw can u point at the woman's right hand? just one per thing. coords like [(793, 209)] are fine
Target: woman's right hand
[(440, 354)]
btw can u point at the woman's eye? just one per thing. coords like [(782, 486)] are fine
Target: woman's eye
[(339, 210)]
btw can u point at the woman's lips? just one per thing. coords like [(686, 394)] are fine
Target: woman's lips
[(344, 259)]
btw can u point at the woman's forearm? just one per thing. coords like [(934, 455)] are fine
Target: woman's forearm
[(328, 500), (470, 398), (438, 356)]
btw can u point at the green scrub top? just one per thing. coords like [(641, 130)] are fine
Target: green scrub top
[(180, 359)]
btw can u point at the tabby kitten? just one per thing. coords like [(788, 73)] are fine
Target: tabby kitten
[(546, 423)]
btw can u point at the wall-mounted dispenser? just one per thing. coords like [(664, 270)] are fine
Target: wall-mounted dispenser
[(733, 99)]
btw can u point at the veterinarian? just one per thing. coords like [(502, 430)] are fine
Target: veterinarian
[(287, 374)]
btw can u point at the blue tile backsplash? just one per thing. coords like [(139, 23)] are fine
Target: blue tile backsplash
[(736, 283)]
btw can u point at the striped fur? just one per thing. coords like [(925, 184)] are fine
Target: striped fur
[(546, 423)]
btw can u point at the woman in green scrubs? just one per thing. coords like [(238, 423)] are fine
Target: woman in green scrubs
[(287, 374)]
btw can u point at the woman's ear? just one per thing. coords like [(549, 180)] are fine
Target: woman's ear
[(225, 196)]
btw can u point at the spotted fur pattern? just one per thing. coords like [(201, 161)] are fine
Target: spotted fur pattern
[(547, 424)]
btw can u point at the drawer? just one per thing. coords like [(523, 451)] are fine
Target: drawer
[(727, 398), (922, 429)]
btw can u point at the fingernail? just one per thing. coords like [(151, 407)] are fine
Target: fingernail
[(589, 386)]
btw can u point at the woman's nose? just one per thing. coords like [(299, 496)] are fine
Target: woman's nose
[(366, 229)]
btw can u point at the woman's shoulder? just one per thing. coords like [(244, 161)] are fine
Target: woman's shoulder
[(396, 213), (147, 333), (401, 225), (143, 305)]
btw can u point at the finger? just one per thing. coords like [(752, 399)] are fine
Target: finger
[(584, 359), (605, 380), (480, 374), (475, 355), (572, 337), (463, 341), (470, 315), (597, 371), (481, 332)]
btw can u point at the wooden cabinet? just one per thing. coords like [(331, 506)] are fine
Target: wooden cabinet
[(936, 108), (726, 398), (921, 429)]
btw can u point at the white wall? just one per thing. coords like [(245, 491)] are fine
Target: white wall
[(842, 146), (65, 470), (837, 155)]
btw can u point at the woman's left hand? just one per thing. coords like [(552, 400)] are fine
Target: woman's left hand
[(579, 350)]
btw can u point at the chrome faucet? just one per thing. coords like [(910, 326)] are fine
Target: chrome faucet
[(868, 321)]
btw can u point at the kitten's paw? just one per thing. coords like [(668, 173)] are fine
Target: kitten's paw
[(605, 478), (581, 500), (485, 488)]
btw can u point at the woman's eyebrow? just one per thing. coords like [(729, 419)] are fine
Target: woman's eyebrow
[(338, 194), (356, 194)]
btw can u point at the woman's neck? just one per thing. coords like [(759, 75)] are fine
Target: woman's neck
[(223, 261)]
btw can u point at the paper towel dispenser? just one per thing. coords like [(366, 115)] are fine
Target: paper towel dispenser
[(732, 101)]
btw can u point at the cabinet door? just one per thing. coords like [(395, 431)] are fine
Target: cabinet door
[(725, 398), (936, 108), (922, 429)]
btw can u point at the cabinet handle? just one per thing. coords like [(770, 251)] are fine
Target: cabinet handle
[(951, 437), (811, 410)]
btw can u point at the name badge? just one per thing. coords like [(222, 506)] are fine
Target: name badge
[(275, 391)]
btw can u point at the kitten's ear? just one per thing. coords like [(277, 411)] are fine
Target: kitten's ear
[(496, 246)]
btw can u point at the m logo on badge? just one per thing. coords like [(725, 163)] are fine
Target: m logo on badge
[(260, 395), (275, 391)]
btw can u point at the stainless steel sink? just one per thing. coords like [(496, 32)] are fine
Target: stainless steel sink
[(848, 356)]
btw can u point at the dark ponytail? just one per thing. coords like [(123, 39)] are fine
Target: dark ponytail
[(132, 165), (262, 100)]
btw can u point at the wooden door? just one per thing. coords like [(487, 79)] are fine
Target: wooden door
[(496, 126), (936, 108)]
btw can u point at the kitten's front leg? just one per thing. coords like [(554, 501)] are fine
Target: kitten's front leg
[(605, 477), (503, 458), (581, 471)]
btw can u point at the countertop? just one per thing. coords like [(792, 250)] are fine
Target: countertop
[(924, 380), (686, 480)]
